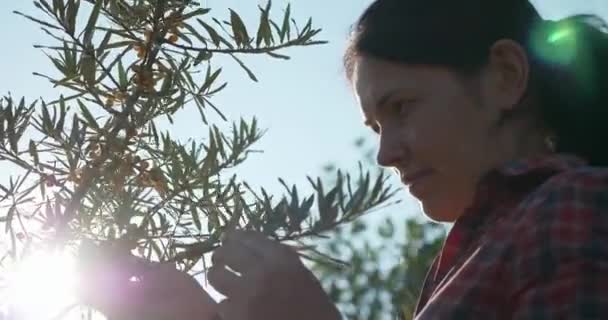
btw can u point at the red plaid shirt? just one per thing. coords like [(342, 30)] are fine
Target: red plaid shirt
[(533, 246)]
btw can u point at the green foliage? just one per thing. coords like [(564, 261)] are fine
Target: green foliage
[(384, 273), (98, 167), (384, 265)]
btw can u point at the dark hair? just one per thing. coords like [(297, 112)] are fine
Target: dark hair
[(568, 58)]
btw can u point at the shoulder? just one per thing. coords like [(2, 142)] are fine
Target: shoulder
[(557, 253), (580, 190), (565, 217)]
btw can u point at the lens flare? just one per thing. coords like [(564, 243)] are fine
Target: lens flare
[(567, 48), (559, 35), (41, 286), (556, 44)]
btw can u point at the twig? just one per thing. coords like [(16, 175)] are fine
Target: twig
[(241, 50)]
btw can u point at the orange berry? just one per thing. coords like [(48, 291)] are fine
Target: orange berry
[(173, 38), (144, 165), (131, 132), (110, 102)]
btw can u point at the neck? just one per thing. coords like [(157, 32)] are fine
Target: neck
[(519, 142)]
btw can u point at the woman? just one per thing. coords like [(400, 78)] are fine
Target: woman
[(494, 119)]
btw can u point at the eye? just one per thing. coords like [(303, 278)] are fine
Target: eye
[(402, 107)]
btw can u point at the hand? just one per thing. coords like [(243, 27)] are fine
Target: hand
[(124, 287), (273, 283)]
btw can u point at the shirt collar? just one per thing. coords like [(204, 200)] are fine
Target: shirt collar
[(556, 162), (498, 189), (498, 183)]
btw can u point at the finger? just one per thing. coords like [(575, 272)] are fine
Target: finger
[(115, 302), (237, 256), (165, 280), (230, 309), (159, 282), (147, 299), (259, 243), (226, 282)]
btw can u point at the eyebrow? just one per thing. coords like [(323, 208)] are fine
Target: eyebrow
[(386, 97), (381, 102)]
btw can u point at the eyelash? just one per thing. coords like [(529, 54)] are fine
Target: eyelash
[(402, 107)]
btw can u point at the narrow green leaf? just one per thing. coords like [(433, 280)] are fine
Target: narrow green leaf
[(119, 44), (59, 8), (122, 76), (71, 14), (239, 31), (46, 5), (9, 219), (215, 37), (285, 31), (69, 59), (264, 32), (211, 77), (113, 63), (195, 33), (60, 66), (214, 91), (194, 13), (74, 131), (104, 42), (249, 72), (307, 27), (33, 152), (184, 37), (44, 23), (88, 67), (260, 35), (47, 124), (167, 84), (278, 56), (87, 115), (196, 219), (89, 30)]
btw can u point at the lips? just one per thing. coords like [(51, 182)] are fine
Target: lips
[(413, 177), (416, 182)]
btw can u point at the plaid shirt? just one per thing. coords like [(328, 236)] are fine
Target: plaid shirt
[(534, 245)]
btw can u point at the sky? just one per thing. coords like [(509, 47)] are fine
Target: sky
[(305, 104)]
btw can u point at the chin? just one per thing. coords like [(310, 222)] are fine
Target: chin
[(438, 213)]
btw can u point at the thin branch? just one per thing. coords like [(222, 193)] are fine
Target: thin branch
[(287, 44)]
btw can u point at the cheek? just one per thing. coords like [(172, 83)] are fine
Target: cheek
[(431, 136), (445, 142)]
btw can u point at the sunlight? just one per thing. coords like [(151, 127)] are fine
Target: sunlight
[(42, 285)]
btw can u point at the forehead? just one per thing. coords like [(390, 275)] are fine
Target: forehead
[(374, 78)]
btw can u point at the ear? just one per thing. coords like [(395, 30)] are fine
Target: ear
[(507, 74)]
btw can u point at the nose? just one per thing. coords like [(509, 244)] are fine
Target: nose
[(392, 151)]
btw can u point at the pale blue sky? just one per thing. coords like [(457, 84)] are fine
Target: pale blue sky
[(304, 103)]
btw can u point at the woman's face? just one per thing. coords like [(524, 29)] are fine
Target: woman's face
[(434, 128)]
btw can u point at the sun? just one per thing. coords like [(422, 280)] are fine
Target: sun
[(41, 286)]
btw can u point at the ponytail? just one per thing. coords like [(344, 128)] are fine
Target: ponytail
[(569, 72)]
